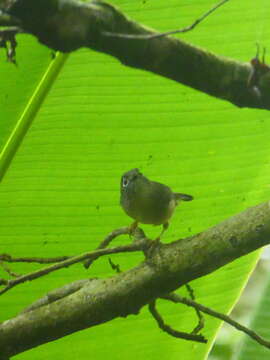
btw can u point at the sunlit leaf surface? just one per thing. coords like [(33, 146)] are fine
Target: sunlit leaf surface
[(60, 194)]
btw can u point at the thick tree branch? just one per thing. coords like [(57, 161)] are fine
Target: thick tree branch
[(58, 294), (166, 268), (67, 25)]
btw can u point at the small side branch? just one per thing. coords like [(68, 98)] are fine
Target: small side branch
[(179, 299), (138, 246), (8, 270), (107, 241), (104, 243), (170, 32), (200, 325), (115, 267), (170, 330), (8, 258)]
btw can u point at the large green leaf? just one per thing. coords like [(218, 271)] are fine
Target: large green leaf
[(60, 194)]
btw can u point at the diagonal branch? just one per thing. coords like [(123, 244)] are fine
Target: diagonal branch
[(8, 270), (33, 259), (166, 268), (50, 21), (179, 299), (93, 255), (104, 243), (171, 32)]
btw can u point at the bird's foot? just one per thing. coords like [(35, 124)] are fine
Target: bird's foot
[(157, 240), (165, 227), (156, 243), (138, 235), (152, 247), (132, 228)]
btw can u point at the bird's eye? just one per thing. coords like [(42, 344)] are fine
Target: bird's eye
[(125, 182)]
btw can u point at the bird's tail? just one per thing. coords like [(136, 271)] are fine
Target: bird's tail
[(184, 197)]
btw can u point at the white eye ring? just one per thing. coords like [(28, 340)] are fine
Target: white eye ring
[(125, 182)]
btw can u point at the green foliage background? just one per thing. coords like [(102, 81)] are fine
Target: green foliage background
[(94, 121), (258, 319)]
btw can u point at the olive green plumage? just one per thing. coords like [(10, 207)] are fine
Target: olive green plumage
[(146, 201)]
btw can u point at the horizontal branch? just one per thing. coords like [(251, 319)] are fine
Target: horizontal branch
[(40, 260), (166, 268), (92, 255), (67, 25), (33, 259)]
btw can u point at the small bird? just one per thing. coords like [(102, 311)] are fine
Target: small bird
[(148, 202)]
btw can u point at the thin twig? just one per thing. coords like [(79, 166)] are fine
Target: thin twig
[(171, 32), (10, 259), (200, 325), (171, 331), (52, 260), (179, 299), (114, 266), (138, 246), (8, 270), (3, 282), (121, 231)]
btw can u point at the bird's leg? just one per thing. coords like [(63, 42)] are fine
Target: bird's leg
[(164, 228), (132, 228)]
